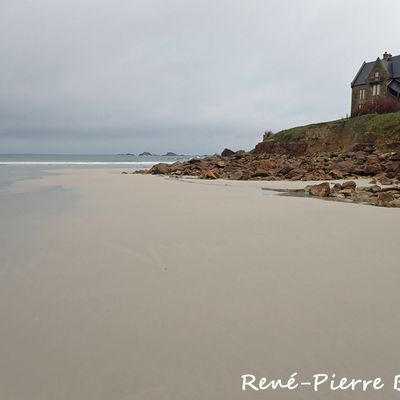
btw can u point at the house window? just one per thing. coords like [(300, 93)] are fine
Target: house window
[(376, 90), (377, 75), (362, 94)]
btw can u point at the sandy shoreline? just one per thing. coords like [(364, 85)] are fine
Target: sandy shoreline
[(154, 288)]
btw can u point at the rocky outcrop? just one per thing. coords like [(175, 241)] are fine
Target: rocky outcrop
[(320, 166), (348, 191), (366, 146)]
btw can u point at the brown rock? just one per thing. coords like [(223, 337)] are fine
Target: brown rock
[(321, 190), (362, 197), (348, 192), (384, 198), (375, 189), (336, 174), (260, 173), (207, 174), (345, 167), (394, 203), (216, 173), (337, 187), (237, 175), (386, 181), (349, 185), (160, 168), (372, 169), (265, 164)]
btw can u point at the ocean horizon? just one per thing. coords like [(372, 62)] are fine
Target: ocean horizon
[(88, 159)]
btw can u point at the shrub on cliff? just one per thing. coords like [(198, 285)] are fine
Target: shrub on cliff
[(381, 105)]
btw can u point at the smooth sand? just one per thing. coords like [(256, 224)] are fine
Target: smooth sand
[(149, 288)]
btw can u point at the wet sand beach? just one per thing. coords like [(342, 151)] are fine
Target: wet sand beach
[(141, 287)]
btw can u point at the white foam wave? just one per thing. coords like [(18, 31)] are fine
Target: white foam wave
[(83, 162)]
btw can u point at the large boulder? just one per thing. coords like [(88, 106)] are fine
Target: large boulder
[(384, 198), (321, 190), (237, 175), (336, 174), (227, 153), (160, 168), (394, 203), (349, 185), (375, 188), (345, 167)]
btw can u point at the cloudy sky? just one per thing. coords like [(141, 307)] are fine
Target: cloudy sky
[(192, 76)]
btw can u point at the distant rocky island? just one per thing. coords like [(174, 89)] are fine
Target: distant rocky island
[(168, 154)]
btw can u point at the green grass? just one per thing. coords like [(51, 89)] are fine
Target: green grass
[(293, 134), (385, 125)]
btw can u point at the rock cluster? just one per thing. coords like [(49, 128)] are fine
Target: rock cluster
[(240, 165), (374, 195)]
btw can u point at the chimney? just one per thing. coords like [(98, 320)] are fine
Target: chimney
[(387, 56)]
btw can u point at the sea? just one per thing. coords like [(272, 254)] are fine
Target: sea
[(15, 167), (88, 159)]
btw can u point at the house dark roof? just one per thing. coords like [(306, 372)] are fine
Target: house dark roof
[(392, 66), (395, 64), (395, 85)]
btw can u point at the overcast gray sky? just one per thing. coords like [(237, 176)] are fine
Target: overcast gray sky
[(192, 76)]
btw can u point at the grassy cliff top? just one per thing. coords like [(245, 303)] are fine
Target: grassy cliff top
[(387, 126)]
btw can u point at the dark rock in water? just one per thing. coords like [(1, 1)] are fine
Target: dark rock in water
[(227, 153), (145, 153)]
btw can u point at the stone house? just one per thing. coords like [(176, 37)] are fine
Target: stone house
[(379, 78)]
